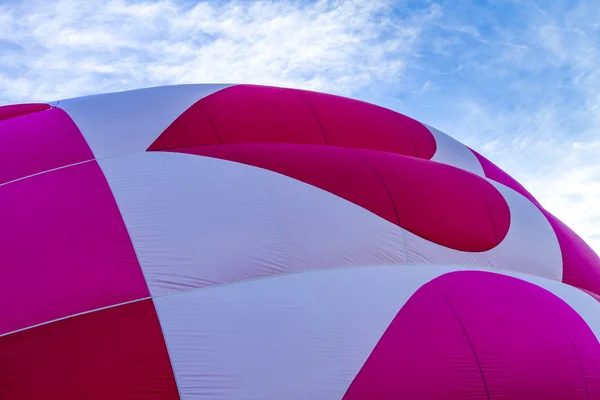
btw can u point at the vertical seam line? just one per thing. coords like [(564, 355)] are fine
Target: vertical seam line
[(318, 315), (214, 127), (412, 141), (587, 396), (470, 343), (364, 159), (312, 110), (135, 250), (382, 184), (487, 210)]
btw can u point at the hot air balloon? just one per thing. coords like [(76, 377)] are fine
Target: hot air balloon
[(254, 242)]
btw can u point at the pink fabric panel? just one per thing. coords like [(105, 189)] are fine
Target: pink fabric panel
[(493, 172), (443, 204), (64, 248), (38, 142), (581, 265), (353, 123), (243, 113), (412, 193), (479, 335), (261, 114), (15, 110), (118, 353), (193, 128)]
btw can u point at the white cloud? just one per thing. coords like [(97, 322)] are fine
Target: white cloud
[(547, 135), (563, 174), (70, 48)]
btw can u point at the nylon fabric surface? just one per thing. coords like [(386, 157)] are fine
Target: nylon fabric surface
[(231, 241)]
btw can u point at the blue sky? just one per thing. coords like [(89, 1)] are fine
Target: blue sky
[(515, 79)]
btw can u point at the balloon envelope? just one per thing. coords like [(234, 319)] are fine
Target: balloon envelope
[(253, 242)]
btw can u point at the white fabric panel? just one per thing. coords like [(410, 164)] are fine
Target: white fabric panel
[(357, 304), (451, 152), (199, 221), (254, 340), (530, 245), (302, 336), (129, 122)]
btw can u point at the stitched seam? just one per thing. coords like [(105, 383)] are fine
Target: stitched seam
[(214, 127), (312, 110), (587, 396), (296, 276), (487, 210), (470, 344), (382, 184), (359, 154), (143, 275), (259, 278)]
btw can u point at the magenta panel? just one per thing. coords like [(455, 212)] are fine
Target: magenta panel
[(479, 335), (118, 354), (443, 204), (38, 142), (249, 113), (16, 110), (413, 193), (243, 113), (581, 265), (64, 248), (353, 123)]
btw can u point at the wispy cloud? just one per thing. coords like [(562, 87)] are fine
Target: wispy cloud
[(75, 47), (528, 96), (515, 79)]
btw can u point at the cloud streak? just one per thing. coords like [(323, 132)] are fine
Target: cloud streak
[(81, 47)]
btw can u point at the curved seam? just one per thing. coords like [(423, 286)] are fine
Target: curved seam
[(469, 341), (364, 159), (126, 303), (48, 170), (172, 148), (355, 152), (143, 274), (164, 336), (75, 315), (487, 268), (382, 184), (311, 109), (455, 267), (412, 141), (214, 127), (489, 214), (197, 289), (381, 337), (587, 396), (319, 315), (239, 153), (378, 344)]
